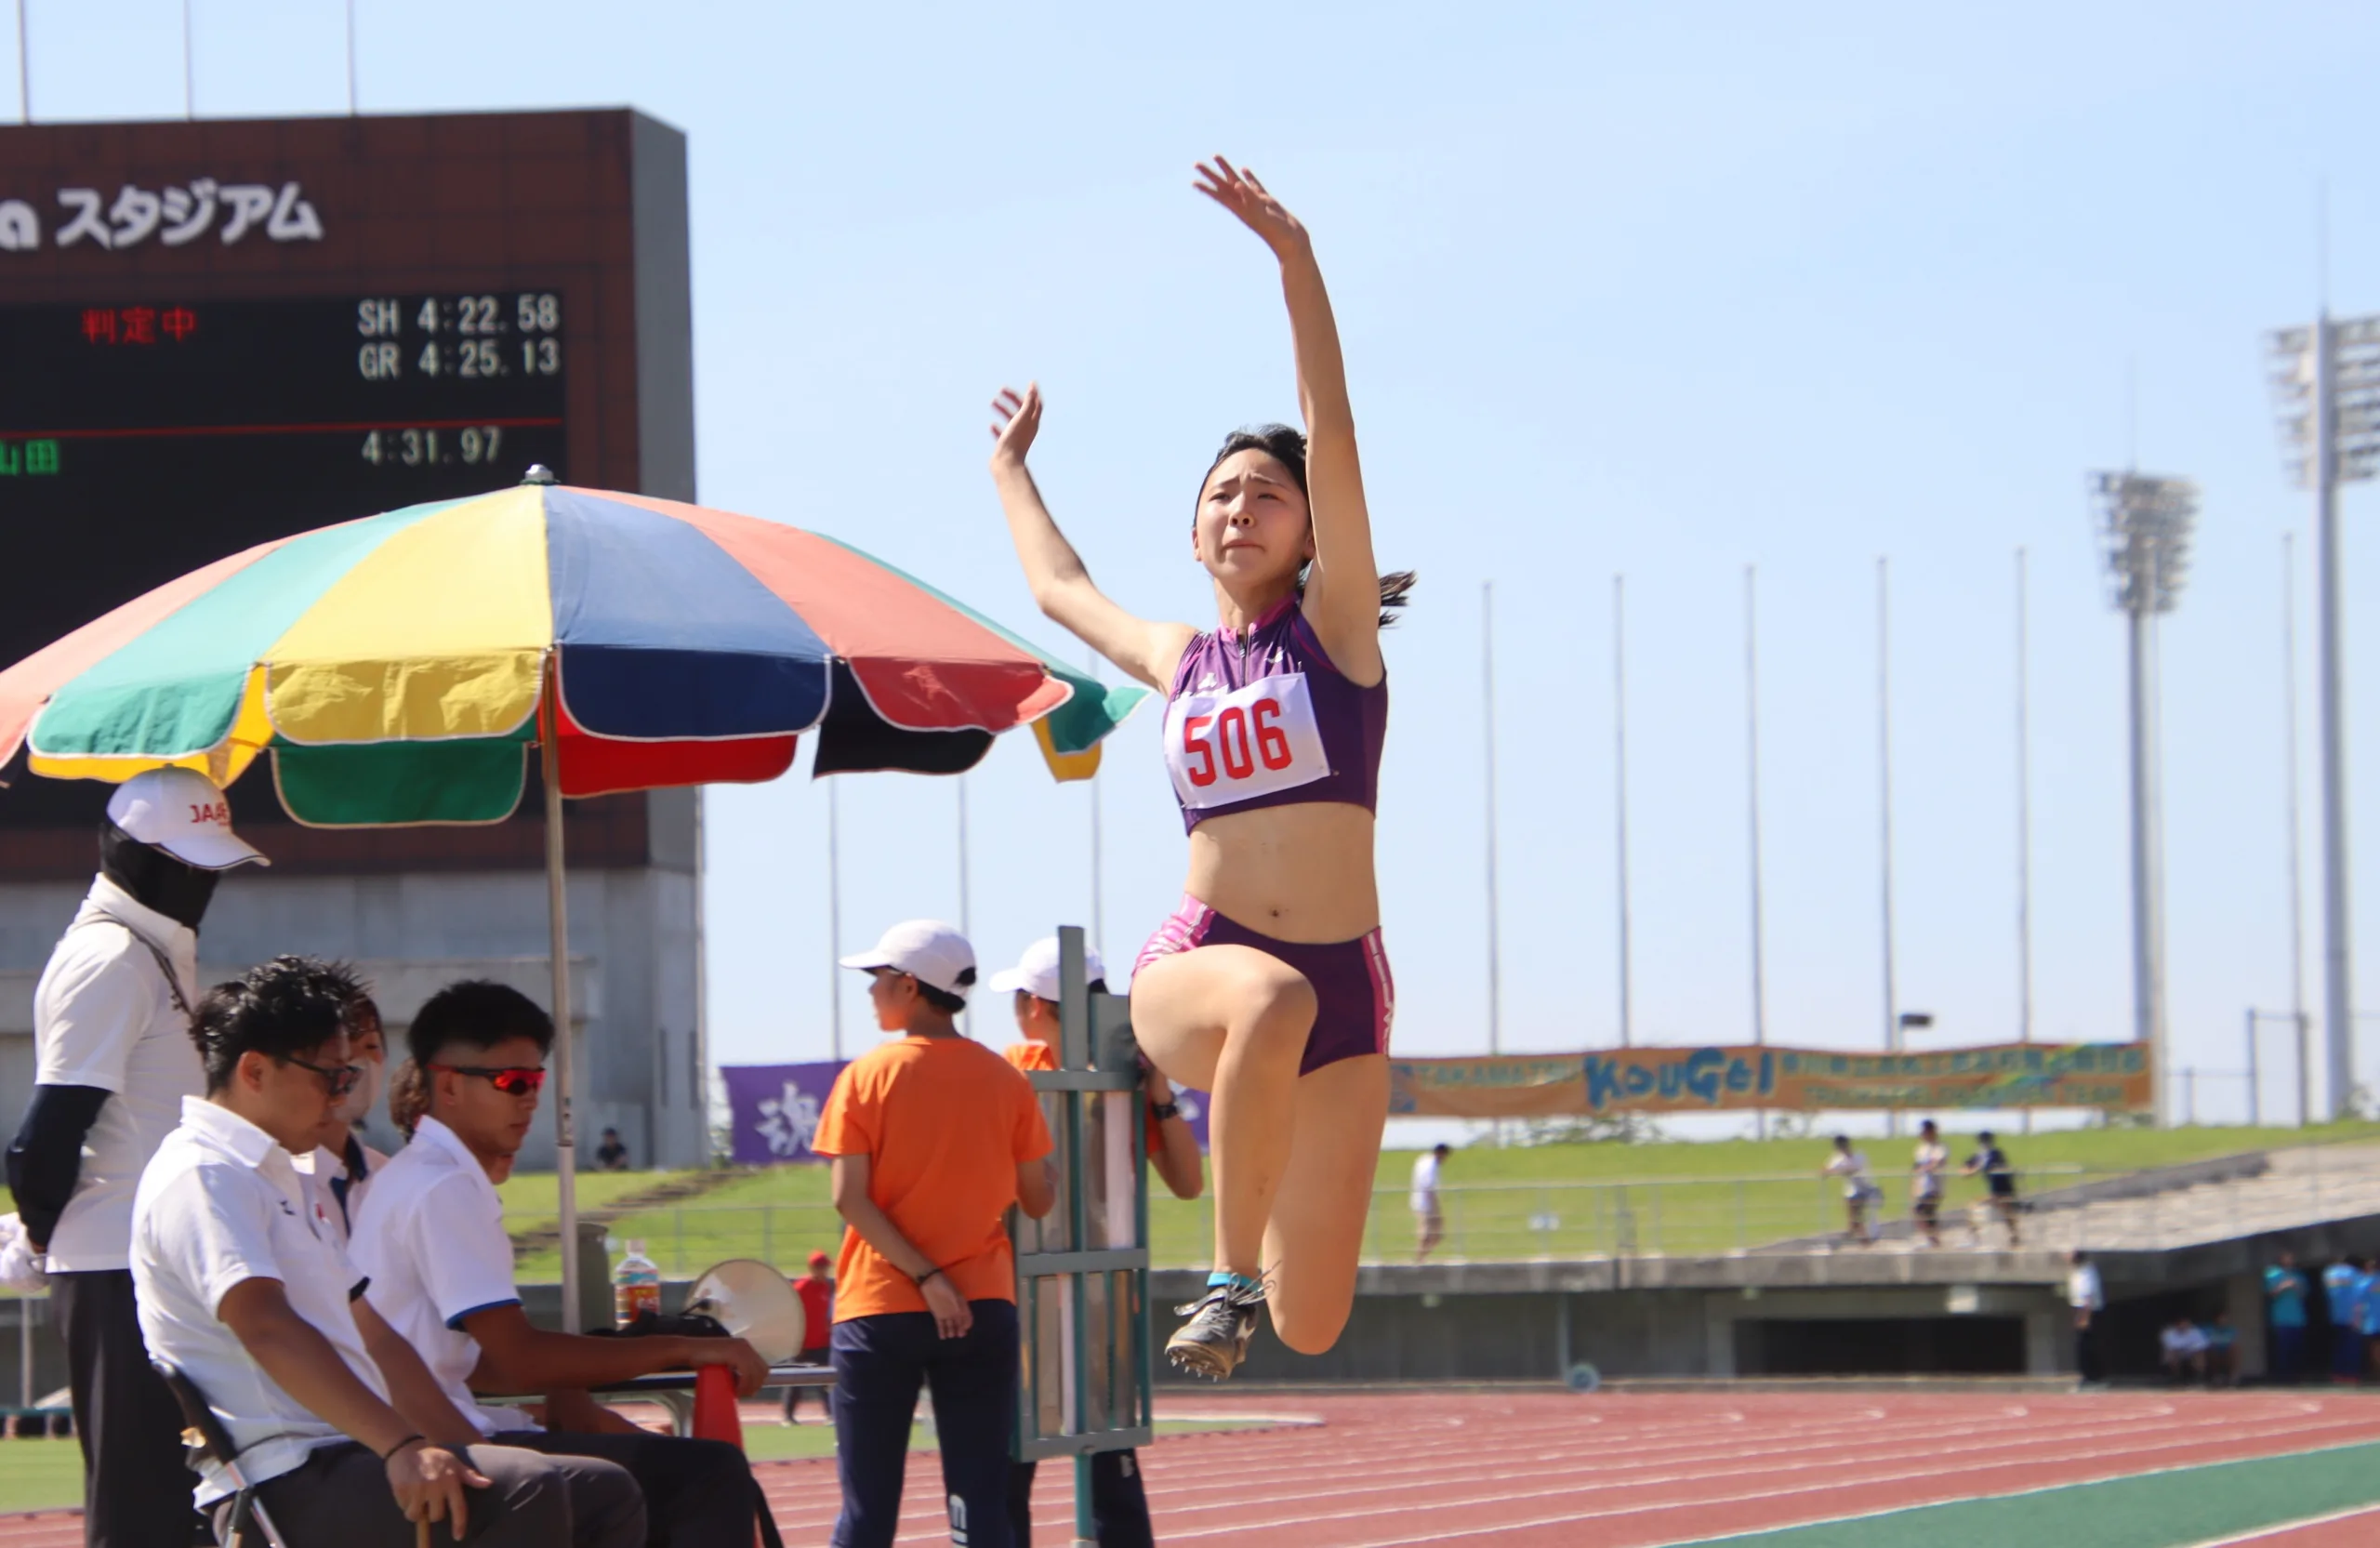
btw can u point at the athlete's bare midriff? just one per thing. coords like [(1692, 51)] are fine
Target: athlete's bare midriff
[(1298, 873)]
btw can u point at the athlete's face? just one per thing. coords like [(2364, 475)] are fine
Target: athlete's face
[(1253, 527)]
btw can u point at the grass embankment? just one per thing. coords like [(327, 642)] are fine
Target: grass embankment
[(1520, 1201)]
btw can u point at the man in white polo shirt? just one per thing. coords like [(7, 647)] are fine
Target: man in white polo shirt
[(113, 1062), (242, 1289), (430, 1233)]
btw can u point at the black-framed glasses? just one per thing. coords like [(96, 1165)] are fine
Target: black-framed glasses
[(339, 1078), (511, 1079)]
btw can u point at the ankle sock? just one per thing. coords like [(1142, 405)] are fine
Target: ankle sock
[(1221, 1280)]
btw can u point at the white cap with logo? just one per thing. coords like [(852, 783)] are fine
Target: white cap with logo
[(928, 950), (1037, 972), (183, 813)]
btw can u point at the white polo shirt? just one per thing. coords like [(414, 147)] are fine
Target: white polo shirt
[(222, 1204), (335, 1187), (104, 1017), (431, 1236)]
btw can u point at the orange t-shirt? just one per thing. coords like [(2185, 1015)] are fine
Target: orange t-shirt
[(944, 1123), (1030, 1055)]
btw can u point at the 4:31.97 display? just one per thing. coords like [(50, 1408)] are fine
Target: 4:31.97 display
[(433, 446)]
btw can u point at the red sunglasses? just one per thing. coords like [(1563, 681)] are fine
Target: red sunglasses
[(514, 1080)]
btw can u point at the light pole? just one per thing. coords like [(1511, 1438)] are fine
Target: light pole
[(1488, 693), (1620, 782), (1751, 792), (2297, 880), (2326, 386), (2144, 526), (1884, 805), (2024, 829)]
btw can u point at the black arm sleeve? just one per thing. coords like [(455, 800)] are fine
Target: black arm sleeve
[(47, 1154)]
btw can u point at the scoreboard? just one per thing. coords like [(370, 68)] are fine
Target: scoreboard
[(213, 334)]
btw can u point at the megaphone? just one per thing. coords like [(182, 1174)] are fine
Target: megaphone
[(754, 1302)]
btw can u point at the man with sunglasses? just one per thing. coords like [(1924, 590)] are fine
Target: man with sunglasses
[(244, 1289), (431, 1235)]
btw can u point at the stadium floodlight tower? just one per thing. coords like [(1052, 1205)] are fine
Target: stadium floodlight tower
[(2326, 388), (2144, 525)]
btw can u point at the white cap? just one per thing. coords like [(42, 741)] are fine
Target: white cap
[(184, 814), (928, 950), (1037, 972)]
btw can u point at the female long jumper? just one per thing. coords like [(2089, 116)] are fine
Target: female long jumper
[(1269, 987)]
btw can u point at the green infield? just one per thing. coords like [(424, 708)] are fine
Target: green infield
[(1517, 1201), (2178, 1508)]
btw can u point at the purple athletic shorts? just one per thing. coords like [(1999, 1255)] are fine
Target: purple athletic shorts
[(1354, 995)]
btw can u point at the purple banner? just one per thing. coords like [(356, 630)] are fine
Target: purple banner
[(773, 1109)]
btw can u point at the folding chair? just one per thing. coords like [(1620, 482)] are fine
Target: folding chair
[(209, 1441)]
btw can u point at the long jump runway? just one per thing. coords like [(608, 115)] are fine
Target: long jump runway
[(2270, 1469)]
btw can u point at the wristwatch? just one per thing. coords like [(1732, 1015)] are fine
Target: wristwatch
[(1166, 1110)]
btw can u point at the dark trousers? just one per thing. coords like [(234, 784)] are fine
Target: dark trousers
[(2346, 1351), (698, 1493), (879, 1364), (1119, 1507), (136, 1492), (2288, 1354), (340, 1495), (2086, 1350)]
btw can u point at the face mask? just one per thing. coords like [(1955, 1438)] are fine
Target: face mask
[(155, 879), (356, 1106)]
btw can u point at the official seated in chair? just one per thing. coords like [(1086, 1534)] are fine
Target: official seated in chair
[(431, 1235), (242, 1289)]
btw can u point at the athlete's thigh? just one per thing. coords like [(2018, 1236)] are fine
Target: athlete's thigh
[(1316, 1231), (1183, 1004)]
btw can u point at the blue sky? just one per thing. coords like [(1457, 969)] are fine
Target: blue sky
[(1655, 290)]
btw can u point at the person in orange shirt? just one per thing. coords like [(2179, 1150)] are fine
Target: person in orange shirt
[(1119, 1505), (931, 1138)]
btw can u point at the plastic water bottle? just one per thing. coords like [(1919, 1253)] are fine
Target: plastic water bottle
[(636, 1285)]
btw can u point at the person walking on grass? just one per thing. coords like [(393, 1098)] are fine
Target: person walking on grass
[(1429, 1219), (1926, 1165), (1861, 1194), (931, 1138), (1999, 1177)]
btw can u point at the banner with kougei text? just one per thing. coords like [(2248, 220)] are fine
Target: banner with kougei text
[(1668, 1080), (774, 1109)]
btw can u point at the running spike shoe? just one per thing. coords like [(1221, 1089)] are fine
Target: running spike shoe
[(1215, 1339)]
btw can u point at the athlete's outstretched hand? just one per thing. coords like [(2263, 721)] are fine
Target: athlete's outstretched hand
[(1019, 422), (1238, 190)]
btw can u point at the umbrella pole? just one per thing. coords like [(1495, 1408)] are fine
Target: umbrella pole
[(558, 913)]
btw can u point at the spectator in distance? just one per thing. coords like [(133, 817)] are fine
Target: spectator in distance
[(2285, 1308), (818, 1293), (613, 1153), (2000, 1179), (1429, 1219)]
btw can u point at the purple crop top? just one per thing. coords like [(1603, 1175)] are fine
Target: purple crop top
[(1268, 721)]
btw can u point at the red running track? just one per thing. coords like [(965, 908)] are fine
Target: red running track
[(1537, 1470)]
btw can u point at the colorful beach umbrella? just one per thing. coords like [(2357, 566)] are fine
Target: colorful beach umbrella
[(403, 669), (397, 669)]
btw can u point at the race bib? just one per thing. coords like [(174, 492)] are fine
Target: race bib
[(1223, 748)]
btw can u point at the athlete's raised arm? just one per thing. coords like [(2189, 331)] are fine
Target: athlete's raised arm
[(1062, 586), (1342, 597)]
